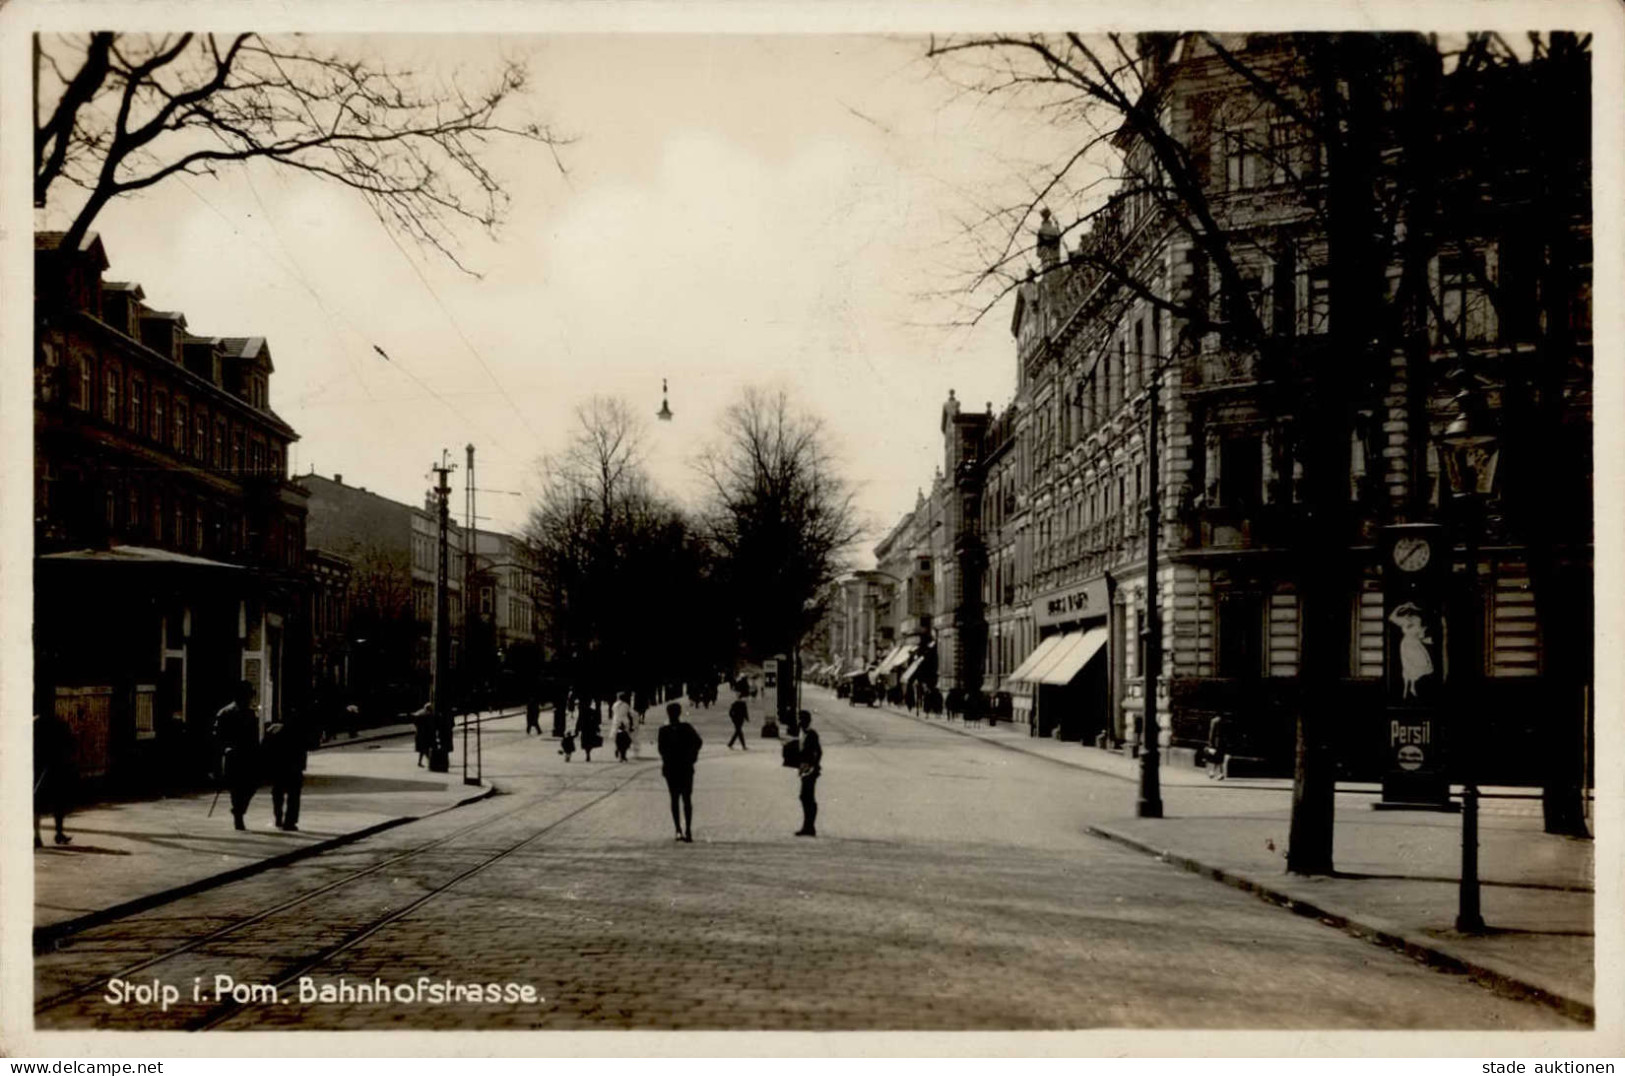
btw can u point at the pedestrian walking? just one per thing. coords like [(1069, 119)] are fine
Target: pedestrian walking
[(622, 712), (237, 737), (679, 749), (423, 733), (739, 714), (533, 715), (54, 771), (1216, 748), (285, 757), (811, 767), (588, 727)]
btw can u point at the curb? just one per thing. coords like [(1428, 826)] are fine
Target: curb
[(373, 735), (1429, 951), (48, 938)]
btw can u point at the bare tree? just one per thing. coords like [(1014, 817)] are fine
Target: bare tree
[(382, 627), (781, 516), (118, 113), (614, 560)]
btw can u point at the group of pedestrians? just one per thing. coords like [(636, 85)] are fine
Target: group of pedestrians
[(248, 758), (680, 744)]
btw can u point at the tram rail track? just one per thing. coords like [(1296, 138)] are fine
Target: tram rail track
[(85, 987)]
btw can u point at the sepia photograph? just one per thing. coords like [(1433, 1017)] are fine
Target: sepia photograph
[(600, 525)]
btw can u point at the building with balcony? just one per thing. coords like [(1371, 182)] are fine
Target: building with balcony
[(1287, 440), (169, 543)]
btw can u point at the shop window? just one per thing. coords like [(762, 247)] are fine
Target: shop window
[(1240, 629)]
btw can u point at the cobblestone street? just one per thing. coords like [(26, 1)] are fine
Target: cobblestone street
[(952, 886)]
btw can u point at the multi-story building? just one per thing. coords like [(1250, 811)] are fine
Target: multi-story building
[(393, 551), (1046, 509), (503, 639), (169, 543)]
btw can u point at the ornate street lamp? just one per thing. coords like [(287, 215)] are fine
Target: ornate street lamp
[(664, 414), (1471, 453)]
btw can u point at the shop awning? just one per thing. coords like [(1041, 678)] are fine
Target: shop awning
[(1041, 654), (1082, 646), (135, 554), (913, 669), (895, 659)]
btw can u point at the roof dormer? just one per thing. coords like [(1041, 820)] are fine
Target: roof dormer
[(163, 331)]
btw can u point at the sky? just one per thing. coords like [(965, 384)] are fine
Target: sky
[(778, 211)]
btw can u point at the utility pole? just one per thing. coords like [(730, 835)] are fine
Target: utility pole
[(440, 633), (1150, 801), (471, 546)]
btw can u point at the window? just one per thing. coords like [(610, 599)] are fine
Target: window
[(1132, 372), (1241, 471), (1240, 630), (160, 415), (1314, 306), (1240, 160), (237, 450), (110, 390), (1114, 377), (81, 380), (200, 434), (1293, 157), (138, 406), (219, 443), (181, 420), (1463, 302), (157, 518)]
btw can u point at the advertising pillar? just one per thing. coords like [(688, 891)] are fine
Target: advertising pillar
[(1415, 578)]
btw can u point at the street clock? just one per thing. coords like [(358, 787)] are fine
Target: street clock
[(1412, 553)]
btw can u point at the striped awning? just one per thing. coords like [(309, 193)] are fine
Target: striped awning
[(1041, 655)]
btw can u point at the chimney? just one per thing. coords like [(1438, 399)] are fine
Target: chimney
[(338, 479)]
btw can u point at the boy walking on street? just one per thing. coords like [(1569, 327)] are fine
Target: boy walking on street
[(812, 758), (285, 759), (738, 713), (679, 749)]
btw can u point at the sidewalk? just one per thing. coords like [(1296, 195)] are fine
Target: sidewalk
[(127, 856), (1397, 872)]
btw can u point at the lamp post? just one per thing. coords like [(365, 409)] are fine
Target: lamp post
[(1149, 802), (1470, 458)]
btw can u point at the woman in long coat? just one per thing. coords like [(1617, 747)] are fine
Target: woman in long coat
[(588, 727)]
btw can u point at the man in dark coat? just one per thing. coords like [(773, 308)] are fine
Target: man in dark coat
[(679, 749), (812, 767), (54, 770), (237, 737), (738, 713), (285, 756), (533, 715)]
